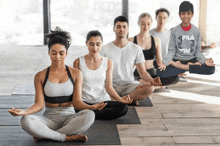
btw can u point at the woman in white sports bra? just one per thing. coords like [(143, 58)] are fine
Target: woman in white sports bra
[(97, 80), (59, 89)]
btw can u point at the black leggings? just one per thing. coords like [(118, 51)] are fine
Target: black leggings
[(153, 74), (173, 72), (112, 110), (151, 71)]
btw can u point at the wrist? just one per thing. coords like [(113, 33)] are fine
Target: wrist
[(152, 82), (120, 99), (23, 113), (160, 62), (92, 107)]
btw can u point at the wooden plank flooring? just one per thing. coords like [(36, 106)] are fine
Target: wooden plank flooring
[(184, 116)]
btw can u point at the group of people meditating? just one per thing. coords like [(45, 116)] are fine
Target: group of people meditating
[(103, 82)]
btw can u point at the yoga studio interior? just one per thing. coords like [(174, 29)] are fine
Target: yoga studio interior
[(186, 112)]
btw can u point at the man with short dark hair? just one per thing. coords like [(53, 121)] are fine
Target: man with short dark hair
[(126, 56), (162, 16)]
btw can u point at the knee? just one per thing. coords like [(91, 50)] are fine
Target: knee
[(159, 73), (25, 120), (149, 90), (211, 70), (163, 73), (124, 109), (146, 91), (89, 116)]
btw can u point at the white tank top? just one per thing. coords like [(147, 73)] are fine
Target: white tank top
[(93, 88)]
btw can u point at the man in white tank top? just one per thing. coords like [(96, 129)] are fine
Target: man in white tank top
[(126, 56)]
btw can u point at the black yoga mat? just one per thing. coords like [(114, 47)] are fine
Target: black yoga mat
[(145, 102), (100, 133), (166, 89)]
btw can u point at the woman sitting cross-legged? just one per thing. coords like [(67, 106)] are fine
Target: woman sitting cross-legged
[(58, 87), (151, 48), (97, 80)]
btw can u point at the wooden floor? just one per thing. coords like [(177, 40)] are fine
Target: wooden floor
[(187, 115)]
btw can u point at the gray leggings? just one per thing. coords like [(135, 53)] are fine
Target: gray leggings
[(57, 122)]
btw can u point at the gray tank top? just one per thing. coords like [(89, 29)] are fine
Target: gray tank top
[(58, 92)]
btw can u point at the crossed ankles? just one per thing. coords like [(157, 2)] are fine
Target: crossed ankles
[(159, 87), (197, 63), (135, 102), (38, 139), (76, 138)]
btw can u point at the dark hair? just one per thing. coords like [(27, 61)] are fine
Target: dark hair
[(122, 19), (186, 6), (58, 36), (93, 33), (162, 10)]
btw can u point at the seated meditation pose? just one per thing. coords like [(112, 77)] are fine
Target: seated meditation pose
[(127, 56), (184, 48), (162, 17), (58, 88), (97, 80), (150, 46)]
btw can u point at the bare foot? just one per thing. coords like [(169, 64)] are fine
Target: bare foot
[(78, 137), (197, 63), (141, 81), (134, 102), (213, 45), (159, 87), (38, 139), (182, 74), (202, 43), (190, 63), (178, 62)]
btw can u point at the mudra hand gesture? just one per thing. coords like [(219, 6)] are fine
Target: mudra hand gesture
[(99, 106), (126, 99), (209, 62), (156, 81), (16, 112)]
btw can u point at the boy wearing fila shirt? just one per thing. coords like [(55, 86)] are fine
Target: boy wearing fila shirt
[(184, 48)]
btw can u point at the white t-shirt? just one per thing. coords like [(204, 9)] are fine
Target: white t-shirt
[(164, 38), (93, 88), (124, 60)]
